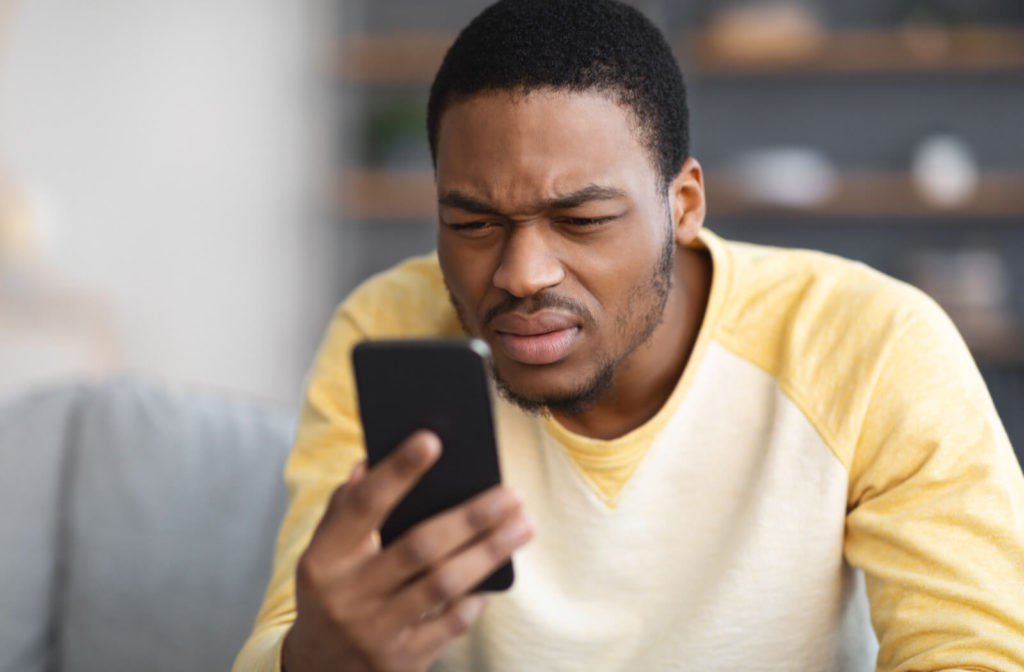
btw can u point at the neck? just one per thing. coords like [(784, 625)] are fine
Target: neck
[(646, 378)]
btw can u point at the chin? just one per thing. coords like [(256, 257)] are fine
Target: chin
[(533, 382), (552, 387)]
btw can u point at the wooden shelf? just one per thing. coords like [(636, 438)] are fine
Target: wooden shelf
[(1007, 349), (890, 195), (389, 195), (391, 59), (413, 59), (881, 52), (385, 195)]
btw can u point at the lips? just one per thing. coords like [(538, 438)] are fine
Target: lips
[(541, 338)]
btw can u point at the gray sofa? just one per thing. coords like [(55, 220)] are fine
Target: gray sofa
[(137, 525)]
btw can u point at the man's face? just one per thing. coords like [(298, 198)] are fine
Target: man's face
[(554, 239)]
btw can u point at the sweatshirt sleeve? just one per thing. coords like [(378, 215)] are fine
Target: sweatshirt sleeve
[(936, 509), (328, 445)]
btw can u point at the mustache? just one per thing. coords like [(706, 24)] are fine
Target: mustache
[(532, 304)]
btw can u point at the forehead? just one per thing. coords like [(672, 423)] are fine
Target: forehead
[(503, 145)]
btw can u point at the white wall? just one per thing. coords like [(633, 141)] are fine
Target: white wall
[(181, 149)]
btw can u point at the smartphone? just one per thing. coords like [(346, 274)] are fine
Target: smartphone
[(440, 385)]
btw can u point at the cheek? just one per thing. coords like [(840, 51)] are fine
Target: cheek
[(617, 271), (468, 276)]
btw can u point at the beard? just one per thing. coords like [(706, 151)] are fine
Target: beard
[(649, 297)]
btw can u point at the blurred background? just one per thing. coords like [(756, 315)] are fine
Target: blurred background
[(187, 189)]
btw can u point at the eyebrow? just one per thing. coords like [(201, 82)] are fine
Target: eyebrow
[(591, 192)]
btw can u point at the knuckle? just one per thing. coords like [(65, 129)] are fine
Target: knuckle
[(442, 585), (361, 499), (457, 623), (417, 549), (353, 626), (309, 571), (497, 548), (478, 517), (338, 496), (338, 616), (325, 588)]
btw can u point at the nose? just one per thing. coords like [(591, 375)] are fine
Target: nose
[(528, 264)]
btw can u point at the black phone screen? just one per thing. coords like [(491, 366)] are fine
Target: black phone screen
[(440, 385)]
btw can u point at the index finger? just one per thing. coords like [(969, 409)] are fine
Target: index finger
[(359, 508)]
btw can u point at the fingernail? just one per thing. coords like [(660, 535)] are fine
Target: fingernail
[(431, 447), (418, 454), (432, 439), (518, 532), (471, 607), (502, 503)]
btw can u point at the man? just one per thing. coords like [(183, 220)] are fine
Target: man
[(718, 445)]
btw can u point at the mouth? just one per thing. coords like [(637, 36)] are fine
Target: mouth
[(542, 338), (539, 349)]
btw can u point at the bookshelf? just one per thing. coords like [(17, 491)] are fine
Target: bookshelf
[(864, 93), (412, 59), (381, 195)]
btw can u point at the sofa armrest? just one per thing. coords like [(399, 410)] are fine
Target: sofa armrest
[(34, 432)]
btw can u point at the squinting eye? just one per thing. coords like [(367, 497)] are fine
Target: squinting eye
[(467, 226), (478, 229), (586, 221)]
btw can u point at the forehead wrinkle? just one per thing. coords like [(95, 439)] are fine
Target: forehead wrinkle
[(521, 155), (591, 192)]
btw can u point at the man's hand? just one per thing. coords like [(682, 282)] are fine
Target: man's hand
[(361, 607)]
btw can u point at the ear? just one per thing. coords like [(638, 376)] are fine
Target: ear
[(686, 198)]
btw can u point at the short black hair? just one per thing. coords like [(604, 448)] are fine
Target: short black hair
[(572, 45)]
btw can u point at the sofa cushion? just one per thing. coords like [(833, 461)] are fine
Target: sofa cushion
[(173, 509), (142, 520)]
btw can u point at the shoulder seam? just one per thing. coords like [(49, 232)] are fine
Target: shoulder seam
[(345, 312), (794, 395)]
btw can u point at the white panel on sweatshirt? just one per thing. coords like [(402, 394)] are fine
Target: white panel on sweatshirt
[(724, 551)]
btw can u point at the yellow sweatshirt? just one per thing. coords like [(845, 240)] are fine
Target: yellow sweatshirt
[(829, 446)]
